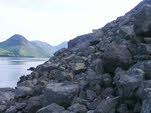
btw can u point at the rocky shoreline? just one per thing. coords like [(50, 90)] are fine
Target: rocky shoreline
[(107, 71)]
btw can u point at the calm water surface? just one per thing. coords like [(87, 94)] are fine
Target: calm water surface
[(11, 68)]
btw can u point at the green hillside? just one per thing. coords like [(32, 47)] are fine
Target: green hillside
[(19, 46)]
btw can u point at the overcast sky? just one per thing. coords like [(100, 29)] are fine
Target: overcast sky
[(55, 21)]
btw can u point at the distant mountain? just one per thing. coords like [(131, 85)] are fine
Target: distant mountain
[(62, 45), (43, 45), (17, 45)]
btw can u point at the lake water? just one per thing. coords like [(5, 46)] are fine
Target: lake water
[(11, 68)]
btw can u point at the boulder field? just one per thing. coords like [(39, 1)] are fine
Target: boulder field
[(106, 71)]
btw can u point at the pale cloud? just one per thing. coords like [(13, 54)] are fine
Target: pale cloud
[(55, 21)]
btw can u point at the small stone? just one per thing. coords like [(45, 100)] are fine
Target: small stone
[(91, 95)]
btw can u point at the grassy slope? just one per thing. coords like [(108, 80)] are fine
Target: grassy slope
[(27, 50), (5, 53)]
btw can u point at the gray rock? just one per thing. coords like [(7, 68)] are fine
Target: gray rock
[(33, 104), (77, 108), (116, 55), (91, 95), (23, 91), (80, 40), (92, 76), (60, 93), (12, 109), (128, 81), (6, 94), (146, 107), (66, 111), (97, 66), (107, 105), (107, 80), (2, 108), (123, 109), (94, 104), (147, 40), (51, 109), (108, 92), (145, 66), (20, 106), (142, 24), (91, 111)]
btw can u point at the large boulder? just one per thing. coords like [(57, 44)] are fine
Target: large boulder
[(129, 81), (143, 20), (23, 91), (146, 67), (33, 104), (6, 94), (116, 55), (82, 40), (60, 93)]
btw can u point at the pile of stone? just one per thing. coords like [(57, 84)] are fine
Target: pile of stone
[(107, 71)]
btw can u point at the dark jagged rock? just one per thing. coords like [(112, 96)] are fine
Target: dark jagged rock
[(6, 94), (12, 109), (77, 108), (31, 69), (128, 82), (107, 71), (107, 106), (51, 109), (2, 108), (33, 104), (23, 92), (60, 93)]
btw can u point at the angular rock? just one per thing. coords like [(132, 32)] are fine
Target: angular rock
[(123, 108), (79, 67), (107, 80), (145, 66), (23, 91), (33, 104), (6, 94), (147, 40), (31, 69), (12, 109), (60, 93), (91, 95), (143, 21), (2, 108), (146, 107), (77, 108), (107, 106), (128, 82), (20, 106), (116, 55), (97, 66), (51, 109), (91, 111), (108, 92)]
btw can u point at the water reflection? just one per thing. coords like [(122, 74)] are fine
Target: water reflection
[(12, 68)]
